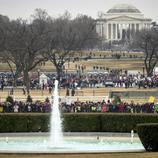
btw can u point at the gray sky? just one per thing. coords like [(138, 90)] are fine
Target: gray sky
[(24, 8)]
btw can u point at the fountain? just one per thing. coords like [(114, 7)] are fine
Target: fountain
[(56, 135), (57, 143)]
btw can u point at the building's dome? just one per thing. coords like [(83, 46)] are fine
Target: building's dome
[(123, 8)]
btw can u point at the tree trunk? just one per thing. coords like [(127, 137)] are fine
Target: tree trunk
[(15, 77), (14, 80), (59, 73), (150, 68), (27, 81), (150, 72)]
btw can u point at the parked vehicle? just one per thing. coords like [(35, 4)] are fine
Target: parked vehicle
[(109, 83)]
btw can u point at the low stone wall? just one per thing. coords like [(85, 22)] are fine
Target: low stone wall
[(134, 94)]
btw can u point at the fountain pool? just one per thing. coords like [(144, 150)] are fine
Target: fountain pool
[(71, 144)]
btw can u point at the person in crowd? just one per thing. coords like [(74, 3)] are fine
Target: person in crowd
[(50, 89), (23, 90), (67, 92), (73, 92), (12, 90)]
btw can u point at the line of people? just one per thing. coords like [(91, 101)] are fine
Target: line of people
[(75, 107)]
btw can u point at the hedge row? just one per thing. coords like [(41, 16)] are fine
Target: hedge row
[(77, 122), (148, 134)]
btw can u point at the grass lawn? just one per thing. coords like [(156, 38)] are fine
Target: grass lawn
[(106, 155), (84, 94), (112, 64), (128, 64)]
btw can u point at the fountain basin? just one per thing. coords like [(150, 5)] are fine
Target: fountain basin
[(80, 143)]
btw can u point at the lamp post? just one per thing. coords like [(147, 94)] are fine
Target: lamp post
[(38, 71), (143, 71)]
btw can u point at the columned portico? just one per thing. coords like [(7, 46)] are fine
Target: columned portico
[(121, 22), (116, 32)]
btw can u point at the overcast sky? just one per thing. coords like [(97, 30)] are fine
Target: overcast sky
[(24, 8)]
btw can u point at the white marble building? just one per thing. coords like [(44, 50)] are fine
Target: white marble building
[(120, 22)]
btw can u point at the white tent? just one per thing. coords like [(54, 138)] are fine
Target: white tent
[(156, 70), (43, 79)]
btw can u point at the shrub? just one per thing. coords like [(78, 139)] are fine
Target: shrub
[(116, 100), (10, 99), (81, 122), (74, 122), (148, 134), (13, 123), (47, 100), (37, 123), (29, 99)]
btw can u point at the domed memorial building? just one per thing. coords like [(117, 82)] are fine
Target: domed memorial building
[(121, 22)]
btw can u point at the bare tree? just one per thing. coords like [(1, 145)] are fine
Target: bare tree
[(69, 36), (3, 23), (147, 41), (28, 44), (25, 44), (10, 37)]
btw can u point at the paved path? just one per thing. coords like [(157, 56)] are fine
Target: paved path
[(101, 155)]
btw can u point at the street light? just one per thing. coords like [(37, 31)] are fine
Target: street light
[(38, 71), (143, 71)]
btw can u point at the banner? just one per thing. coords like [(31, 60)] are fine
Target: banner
[(151, 99)]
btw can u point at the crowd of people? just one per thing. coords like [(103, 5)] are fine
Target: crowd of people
[(107, 107), (100, 79), (78, 106), (90, 80)]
